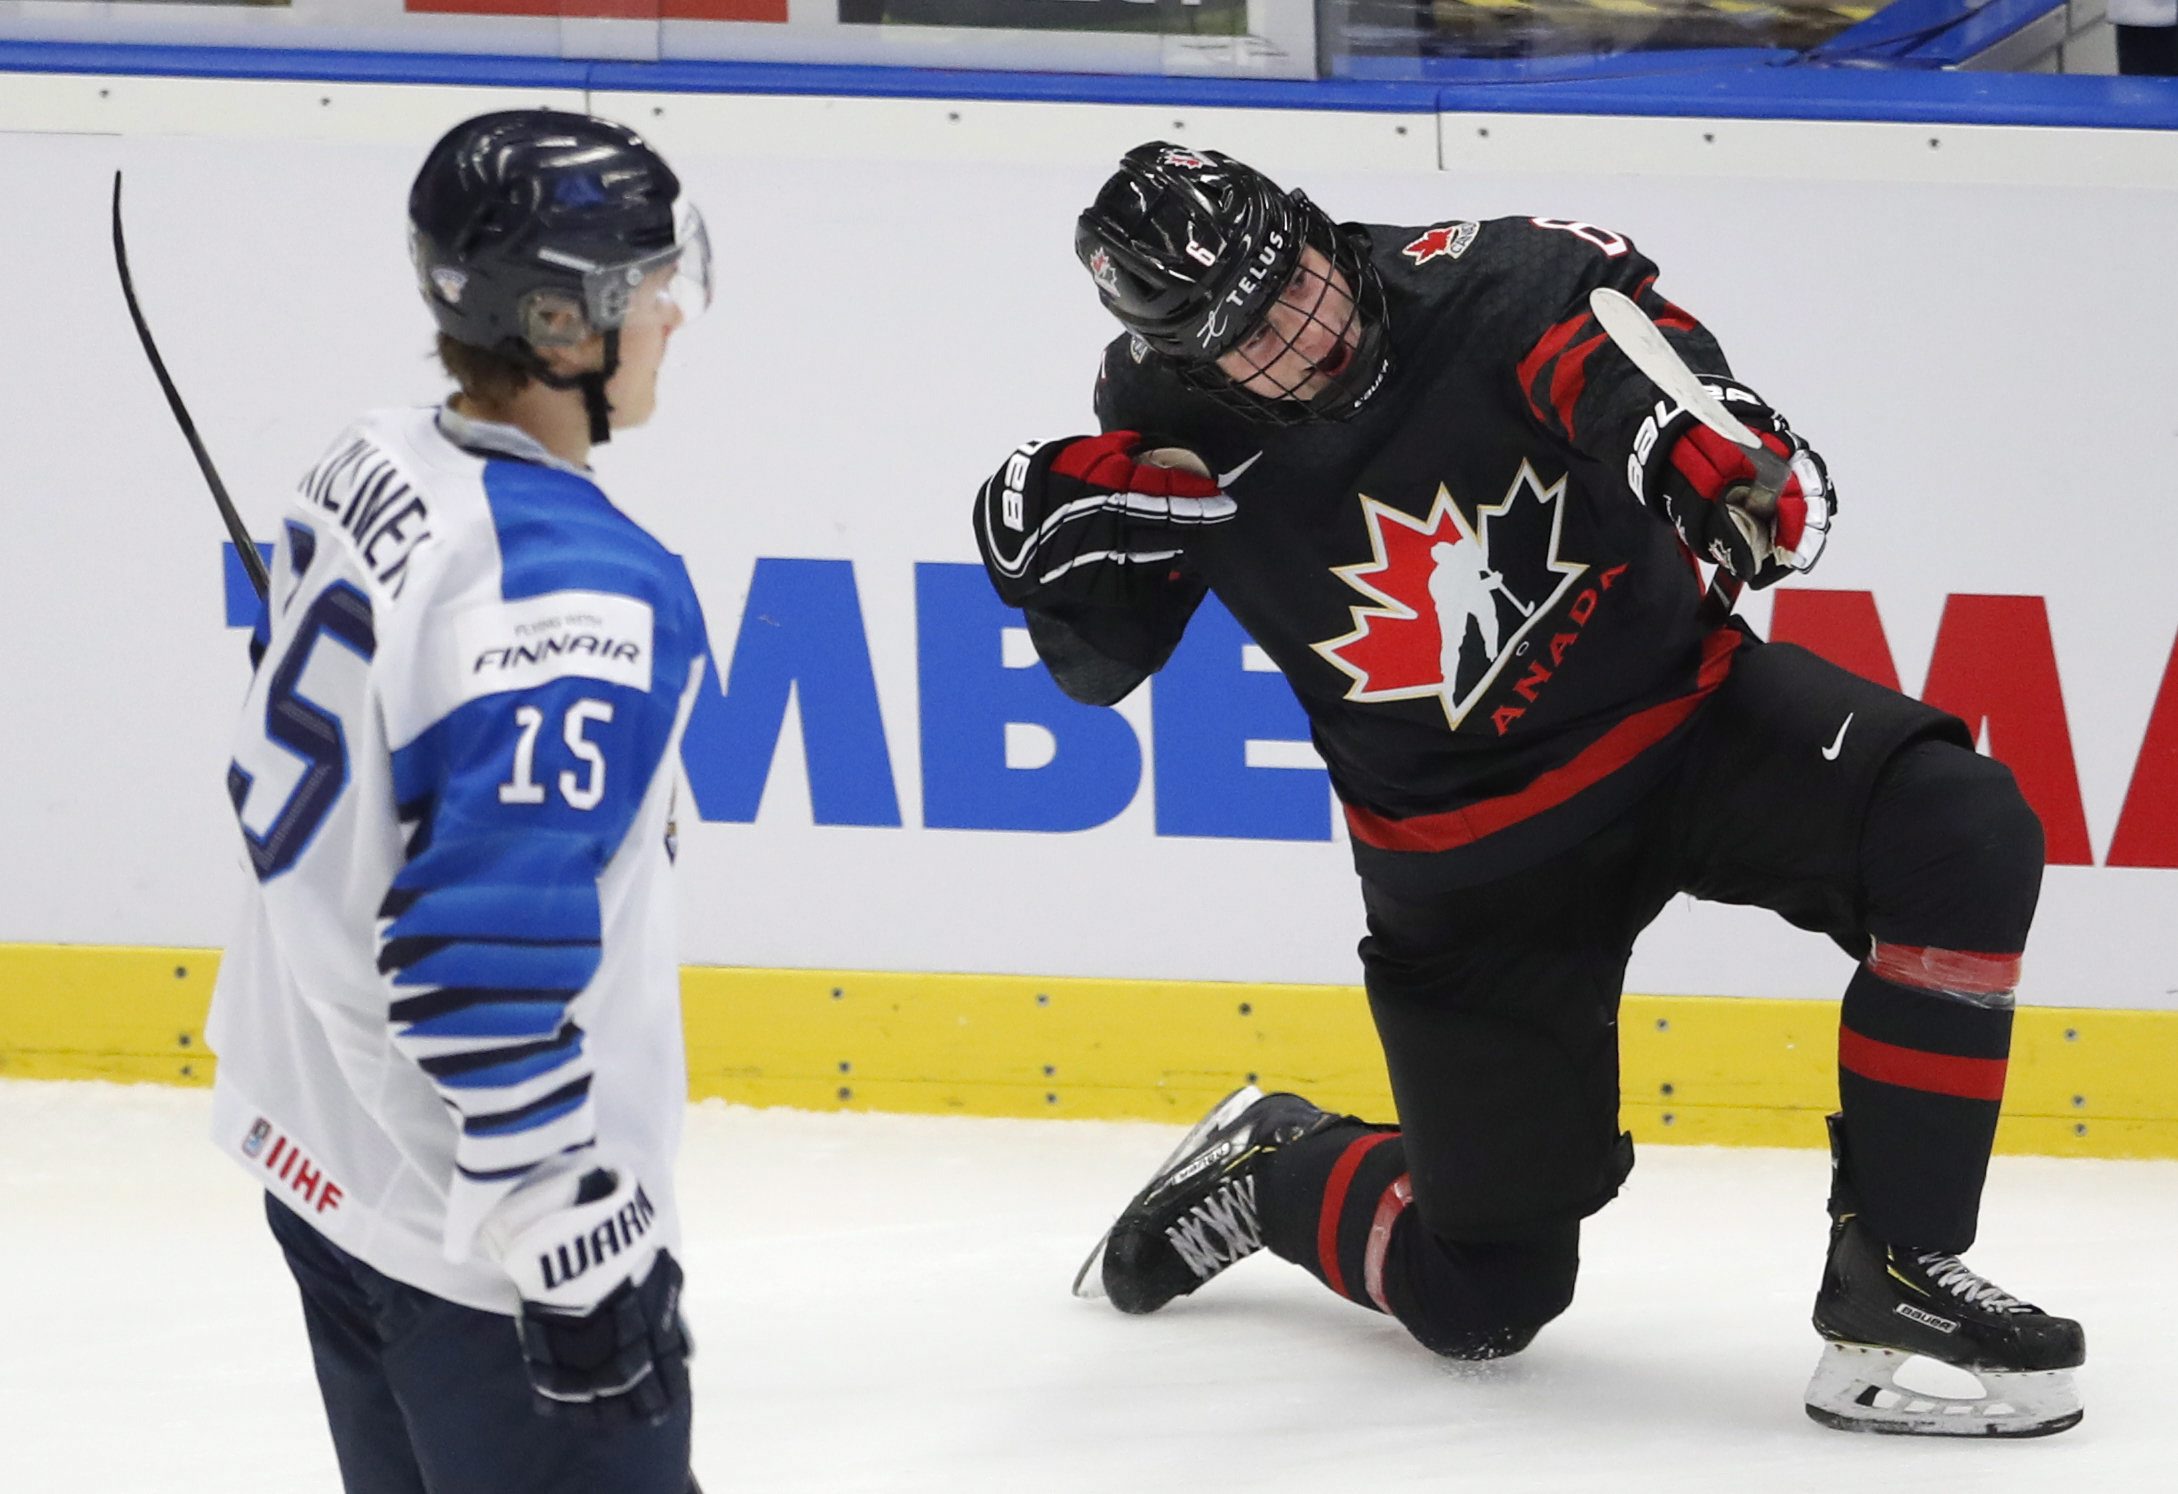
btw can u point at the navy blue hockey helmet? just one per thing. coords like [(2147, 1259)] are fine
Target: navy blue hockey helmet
[(532, 228), (1190, 249)]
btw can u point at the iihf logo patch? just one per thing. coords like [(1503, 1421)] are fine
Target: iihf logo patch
[(1104, 272), (1445, 241), (254, 1143)]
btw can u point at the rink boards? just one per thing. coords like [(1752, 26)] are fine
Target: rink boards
[(883, 789), (1697, 1070)]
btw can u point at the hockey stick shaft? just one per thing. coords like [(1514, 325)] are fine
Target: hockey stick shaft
[(252, 563)]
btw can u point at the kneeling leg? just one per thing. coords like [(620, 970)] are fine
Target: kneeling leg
[(1340, 1204)]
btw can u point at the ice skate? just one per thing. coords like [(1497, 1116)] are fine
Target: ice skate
[(1198, 1214), (2001, 1367)]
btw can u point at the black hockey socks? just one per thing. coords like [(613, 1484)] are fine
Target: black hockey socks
[(1340, 1204), (1951, 859), (1920, 1081), (1332, 1202)]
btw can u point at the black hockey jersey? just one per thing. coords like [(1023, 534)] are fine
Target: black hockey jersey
[(1492, 635)]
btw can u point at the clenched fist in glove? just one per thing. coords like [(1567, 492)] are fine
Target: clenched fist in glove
[(1705, 484), (1086, 519), (600, 1321)]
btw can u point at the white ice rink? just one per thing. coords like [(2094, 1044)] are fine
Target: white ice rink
[(881, 1304)]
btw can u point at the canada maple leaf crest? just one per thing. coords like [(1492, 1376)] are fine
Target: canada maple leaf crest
[(1103, 271), (1446, 240), (1451, 602)]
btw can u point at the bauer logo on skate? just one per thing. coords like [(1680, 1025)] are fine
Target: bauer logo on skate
[(1926, 1319), (570, 1258), (292, 1167), (1208, 1159)]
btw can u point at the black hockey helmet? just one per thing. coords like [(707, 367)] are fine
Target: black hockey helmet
[(531, 228), (1190, 248)]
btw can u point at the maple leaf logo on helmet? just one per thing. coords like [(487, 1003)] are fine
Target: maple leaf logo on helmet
[(1104, 272), (1186, 160), (1445, 241)]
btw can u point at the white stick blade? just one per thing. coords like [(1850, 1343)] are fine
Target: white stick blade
[(1629, 326)]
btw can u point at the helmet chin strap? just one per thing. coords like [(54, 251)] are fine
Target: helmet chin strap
[(592, 386)]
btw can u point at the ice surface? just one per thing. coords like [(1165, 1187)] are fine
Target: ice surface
[(881, 1304)]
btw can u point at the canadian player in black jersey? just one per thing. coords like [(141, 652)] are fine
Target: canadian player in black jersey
[(1471, 534)]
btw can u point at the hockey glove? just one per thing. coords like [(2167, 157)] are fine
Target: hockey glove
[(600, 1320), (1704, 483), (1085, 519)]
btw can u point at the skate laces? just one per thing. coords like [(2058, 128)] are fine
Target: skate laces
[(1952, 1274), (1220, 1230)]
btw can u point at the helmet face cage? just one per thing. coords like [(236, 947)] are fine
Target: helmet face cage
[(1317, 348), (1200, 255)]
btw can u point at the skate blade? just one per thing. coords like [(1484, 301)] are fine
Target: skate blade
[(1855, 1389), (1089, 1280)]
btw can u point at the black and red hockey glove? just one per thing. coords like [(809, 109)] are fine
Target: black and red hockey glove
[(1085, 518), (1705, 484)]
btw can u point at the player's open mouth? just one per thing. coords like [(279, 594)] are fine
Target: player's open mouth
[(1333, 363)]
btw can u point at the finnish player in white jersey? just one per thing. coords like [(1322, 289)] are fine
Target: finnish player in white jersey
[(449, 1031)]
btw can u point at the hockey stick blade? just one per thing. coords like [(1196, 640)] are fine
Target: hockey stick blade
[(1637, 337), (1644, 346), (243, 544)]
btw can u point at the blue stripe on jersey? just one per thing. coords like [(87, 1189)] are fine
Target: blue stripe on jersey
[(487, 854), (507, 909), (504, 1174), (558, 532), (513, 1070), (505, 967), (508, 860), (527, 1120), (493, 1019)]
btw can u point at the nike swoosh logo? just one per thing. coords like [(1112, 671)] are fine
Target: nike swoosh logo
[(1837, 743), (1227, 479)]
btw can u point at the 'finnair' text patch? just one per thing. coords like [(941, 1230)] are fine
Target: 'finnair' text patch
[(519, 645)]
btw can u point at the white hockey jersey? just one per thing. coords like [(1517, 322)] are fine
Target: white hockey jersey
[(455, 778)]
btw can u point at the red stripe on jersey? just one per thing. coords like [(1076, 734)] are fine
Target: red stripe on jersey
[(1673, 318), (1388, 1209), (1594, 763), (1334, 1203), (1913, 1068), (1571, 379), (1960, 972), (1539, 356)]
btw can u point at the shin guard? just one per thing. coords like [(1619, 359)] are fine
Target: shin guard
[(1920, 1080)]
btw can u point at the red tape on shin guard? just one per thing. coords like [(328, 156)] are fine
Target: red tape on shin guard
[(1388, 1209), (1955, 972), (1913, 1068), (1335, 1190)]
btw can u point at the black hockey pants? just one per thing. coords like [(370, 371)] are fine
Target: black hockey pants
[(1847, 808)]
